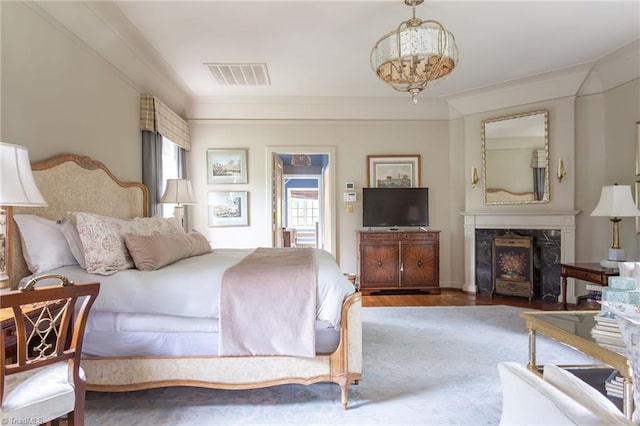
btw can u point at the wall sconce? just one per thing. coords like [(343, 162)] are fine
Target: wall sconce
[(474, 176), (562, 172)]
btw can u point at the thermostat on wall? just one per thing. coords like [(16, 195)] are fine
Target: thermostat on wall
[(350, 197)]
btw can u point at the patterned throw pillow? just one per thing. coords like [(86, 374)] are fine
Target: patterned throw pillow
[(103, 243)]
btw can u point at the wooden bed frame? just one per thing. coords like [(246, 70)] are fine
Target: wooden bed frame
[(74, 183)]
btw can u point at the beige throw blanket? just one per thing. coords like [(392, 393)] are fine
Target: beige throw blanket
[(268, 304)]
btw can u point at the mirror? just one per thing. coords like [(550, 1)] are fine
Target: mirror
[(515, 159)]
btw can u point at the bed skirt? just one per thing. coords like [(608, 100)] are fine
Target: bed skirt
[(343, 366)]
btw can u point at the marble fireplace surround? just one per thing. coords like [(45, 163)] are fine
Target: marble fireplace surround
[(564, 221)]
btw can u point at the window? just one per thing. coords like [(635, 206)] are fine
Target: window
[(304, 212), (170, 170)]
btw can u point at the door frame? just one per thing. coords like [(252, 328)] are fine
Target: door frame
[(329, 187)]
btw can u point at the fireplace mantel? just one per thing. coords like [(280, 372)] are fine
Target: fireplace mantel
[(564, 221)]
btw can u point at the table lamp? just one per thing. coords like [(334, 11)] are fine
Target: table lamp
[(17, 188), (615, 202), (179, 192)]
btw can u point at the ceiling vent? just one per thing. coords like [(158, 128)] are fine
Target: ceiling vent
[(240, 74)]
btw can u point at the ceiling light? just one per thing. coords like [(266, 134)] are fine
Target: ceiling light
[(416, 53), (301, 160)]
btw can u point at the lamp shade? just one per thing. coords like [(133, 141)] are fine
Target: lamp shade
[(17, 185), (178, 191), (616, 201)]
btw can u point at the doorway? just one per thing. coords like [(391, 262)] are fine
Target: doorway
[(303, 197)]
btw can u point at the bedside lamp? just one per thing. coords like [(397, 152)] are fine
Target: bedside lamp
[(179, 192), (615, 202), (17, 188)]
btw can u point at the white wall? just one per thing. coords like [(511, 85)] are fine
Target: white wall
[(353, 140), (562, 127), (605, 152), (59, 96)]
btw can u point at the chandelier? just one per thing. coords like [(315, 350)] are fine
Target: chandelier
[(416, 53), (301, 160)]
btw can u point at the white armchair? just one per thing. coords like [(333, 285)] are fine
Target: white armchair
[(555, 398)]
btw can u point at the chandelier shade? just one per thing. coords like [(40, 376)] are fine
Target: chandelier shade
[(414, 55)]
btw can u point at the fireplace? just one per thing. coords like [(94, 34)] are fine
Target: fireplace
[(545, 247), (553, 236)]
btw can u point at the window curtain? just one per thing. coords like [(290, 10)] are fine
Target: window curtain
[(539, 166), (156, 117), (157, 120), (152, 169)]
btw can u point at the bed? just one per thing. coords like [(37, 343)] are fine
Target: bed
[(155, 341)]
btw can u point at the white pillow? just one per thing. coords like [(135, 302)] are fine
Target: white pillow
[(70, 234), (43, 246), (102, 237), (585, 394)]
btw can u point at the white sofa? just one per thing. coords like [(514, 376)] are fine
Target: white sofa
[(555, 398)]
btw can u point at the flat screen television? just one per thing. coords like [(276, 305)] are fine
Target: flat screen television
[(393, 207)]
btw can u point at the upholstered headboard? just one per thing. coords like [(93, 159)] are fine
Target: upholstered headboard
[(73, 183)]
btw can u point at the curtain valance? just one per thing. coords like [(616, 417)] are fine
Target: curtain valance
[(156, 117)]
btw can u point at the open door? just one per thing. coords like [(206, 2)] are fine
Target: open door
[(277, 186), (275, 180)]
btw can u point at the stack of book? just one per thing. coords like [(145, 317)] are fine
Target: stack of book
[(613, 385), (607, 333)]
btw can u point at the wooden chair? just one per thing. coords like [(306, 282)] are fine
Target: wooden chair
[(43, 381)]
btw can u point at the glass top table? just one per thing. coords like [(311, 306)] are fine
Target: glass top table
[(573, 328)]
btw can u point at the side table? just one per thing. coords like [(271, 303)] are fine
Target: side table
[(591, 272)]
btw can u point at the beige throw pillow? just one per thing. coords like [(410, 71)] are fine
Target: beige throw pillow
[(102, 238), (155, 251)]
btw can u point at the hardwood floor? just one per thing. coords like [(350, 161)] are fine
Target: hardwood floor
[(454, 297)]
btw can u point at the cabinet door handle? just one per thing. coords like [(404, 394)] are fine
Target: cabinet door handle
[(379, 263), (402, 267), (419, 263)]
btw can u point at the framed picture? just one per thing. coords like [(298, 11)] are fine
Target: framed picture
[(638, 148), (227, 208), (226, 166), (393, 171)]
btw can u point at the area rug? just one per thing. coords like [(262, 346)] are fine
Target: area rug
[(422, 366)]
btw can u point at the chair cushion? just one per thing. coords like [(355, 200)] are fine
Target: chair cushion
[(527, 399), (45, 394), (584, 394)]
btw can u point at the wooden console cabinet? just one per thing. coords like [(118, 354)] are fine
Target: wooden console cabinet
[(399, 260)]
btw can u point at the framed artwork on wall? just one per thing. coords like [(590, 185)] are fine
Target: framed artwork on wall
[(226, 166), (228, 208), (393, 171)]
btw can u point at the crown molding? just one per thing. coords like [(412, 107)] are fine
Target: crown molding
[(613, 69), (103, 28), (607, 72), (537, 88), (317, 108)]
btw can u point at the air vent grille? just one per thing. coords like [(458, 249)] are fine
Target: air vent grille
[(240, 74)]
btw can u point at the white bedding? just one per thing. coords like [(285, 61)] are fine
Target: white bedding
[(120, 334), (190, 287)]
